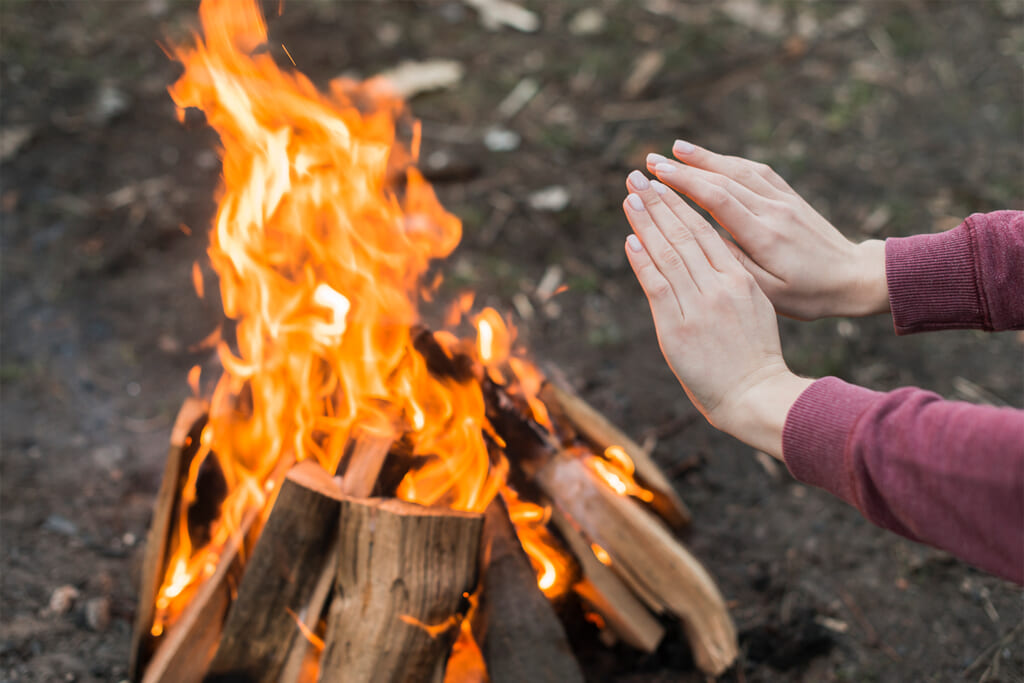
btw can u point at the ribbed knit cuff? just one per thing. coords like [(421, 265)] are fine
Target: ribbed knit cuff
[(933, 282), (817, 428)]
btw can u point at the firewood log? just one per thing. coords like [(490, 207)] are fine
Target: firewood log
[(184, 437), (402, 576), (640, 544), (515, 625), (185, 652), (624, 614), (595, 428), (281, 576)]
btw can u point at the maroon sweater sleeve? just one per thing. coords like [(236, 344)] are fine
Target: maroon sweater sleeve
[(946, 473), (969, 277)]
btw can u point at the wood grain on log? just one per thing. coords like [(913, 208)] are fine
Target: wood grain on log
[(640, 544), (624, 614), (596, 429), (515, 625), (158, 537), (281, 576), (402, 575)]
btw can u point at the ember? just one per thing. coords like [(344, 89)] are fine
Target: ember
[(323, 239)]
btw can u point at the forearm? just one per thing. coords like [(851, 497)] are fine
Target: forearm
[(945, 473), (971, 277)]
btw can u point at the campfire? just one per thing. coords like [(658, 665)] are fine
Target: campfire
[(359, 497)]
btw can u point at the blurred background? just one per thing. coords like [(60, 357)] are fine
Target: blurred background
[(891, 117)]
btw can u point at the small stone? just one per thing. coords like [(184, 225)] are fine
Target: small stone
[(554, 198), (97, 613), (60, 525), (63, 599), (110, 103), (108, 457), (587, 22), (501, 139), (388, 33)]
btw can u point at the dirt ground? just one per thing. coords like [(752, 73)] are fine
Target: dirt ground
[(892, 118)]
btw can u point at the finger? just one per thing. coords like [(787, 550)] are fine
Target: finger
[(755, 175), (660, 295), (667, 170), (663, 255), (707, 237), (675, 231)]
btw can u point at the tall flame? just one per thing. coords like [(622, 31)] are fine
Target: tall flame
[(323, 234), (322, 242)]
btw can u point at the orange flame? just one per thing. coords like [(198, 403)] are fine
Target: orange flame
[(323, 233), (322, 241)]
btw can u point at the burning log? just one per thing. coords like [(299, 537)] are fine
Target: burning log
[(281, 576), (595, 428), (185, 652), (402, 576), (515, 625), (639, 545), (624, 615), (184, 435)]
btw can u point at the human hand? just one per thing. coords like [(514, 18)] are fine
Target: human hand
[(806, 267), (716, 328)]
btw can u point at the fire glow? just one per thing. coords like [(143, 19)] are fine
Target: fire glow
[(324, 234)]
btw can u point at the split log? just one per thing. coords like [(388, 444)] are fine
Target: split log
[(362, 465), (640, 544), (363, 462), (403, 571), (183, 443), (185, 652), (515, 625), (280, 576), (623, 613), (595, 428)]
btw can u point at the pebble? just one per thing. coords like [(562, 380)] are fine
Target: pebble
[(97, 613), (587, 22), (501, 139), (554, 198), (63, 599)]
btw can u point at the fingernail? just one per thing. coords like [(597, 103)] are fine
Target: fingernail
[(660, 188), (639, 180), (663, 169), (635, 202), (655, 159), (634, 244), (683, 147)]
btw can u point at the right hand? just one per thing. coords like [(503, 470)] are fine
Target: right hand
[(807, 268)]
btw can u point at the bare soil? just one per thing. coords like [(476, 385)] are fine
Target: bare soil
[(892, 117)]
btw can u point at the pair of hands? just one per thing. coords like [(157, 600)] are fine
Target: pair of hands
[(714, 301)]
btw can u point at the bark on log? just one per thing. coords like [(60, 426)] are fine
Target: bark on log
[(641, 545), (158, 537), (624, 614), (595, 428), (518, 631), (280, 576), (403, 571)]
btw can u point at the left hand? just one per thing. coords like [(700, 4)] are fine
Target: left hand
[(716, 328)]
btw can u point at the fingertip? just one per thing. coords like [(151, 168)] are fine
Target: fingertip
[(634, 245), (682, 148)]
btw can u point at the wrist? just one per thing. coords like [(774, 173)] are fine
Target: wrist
[(870, 285), (759, 414)]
